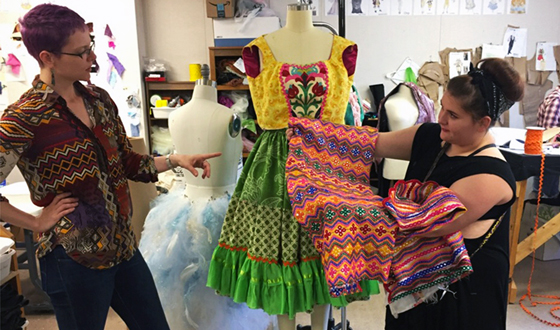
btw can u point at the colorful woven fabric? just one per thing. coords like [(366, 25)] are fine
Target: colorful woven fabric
[(421, 265), (359, 235), (328, 158)]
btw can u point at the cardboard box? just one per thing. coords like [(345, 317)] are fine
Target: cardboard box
[(220, 8), (229, 33)]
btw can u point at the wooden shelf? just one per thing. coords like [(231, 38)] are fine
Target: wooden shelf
[(170, 85), (231, 88), (10, 276)]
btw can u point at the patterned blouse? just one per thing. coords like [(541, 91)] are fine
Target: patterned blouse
[(56, 152)]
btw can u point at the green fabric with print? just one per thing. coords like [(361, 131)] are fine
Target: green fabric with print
[(264, 258)]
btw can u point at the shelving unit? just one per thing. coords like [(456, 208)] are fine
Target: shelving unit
[(169, 89)]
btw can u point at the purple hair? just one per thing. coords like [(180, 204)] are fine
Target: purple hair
[(48, 27)]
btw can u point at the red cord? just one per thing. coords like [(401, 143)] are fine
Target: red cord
[(528, 294)]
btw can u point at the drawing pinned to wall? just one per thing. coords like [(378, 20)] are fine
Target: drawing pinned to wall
[(424, 7), (447, 7), (518, 6), (515, 42), (355, 7), (380, 7), (493, 7), (459, 63), (470, 7), (314, 7), (331, 7), (545, 56), (490, 50), (402, 7)]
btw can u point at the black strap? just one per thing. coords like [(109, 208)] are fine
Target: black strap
[(491, 145)]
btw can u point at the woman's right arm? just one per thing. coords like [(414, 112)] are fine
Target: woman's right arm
[(61, 205), (397, 144)]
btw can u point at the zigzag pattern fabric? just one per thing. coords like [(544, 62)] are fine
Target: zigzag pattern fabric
[(57, 153), (358, 234)]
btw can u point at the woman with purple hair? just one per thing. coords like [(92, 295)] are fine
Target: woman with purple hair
[(70, 145)]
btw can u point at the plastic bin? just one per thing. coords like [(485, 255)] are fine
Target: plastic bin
[(5, 263)]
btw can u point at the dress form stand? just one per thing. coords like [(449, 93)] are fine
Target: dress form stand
[(299, 42), (202, 126), (402, 112)]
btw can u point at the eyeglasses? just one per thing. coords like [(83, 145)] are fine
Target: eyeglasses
[(85, 52)]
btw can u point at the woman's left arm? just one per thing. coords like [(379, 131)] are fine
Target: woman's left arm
[(479, 193)]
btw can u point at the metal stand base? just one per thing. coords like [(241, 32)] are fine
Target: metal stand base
[(343, 325)]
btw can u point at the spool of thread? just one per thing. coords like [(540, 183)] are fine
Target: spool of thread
[(534, 140), (161, 103), (195, 72)]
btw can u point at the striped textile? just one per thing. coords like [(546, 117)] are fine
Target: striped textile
[(358, 234)]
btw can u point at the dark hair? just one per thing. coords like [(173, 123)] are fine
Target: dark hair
[(503, 74), (48, 27)]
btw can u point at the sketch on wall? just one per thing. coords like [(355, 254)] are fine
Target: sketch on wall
[(515, 42), (424, 7), (447, 7), (518, 6), (331, 7), (470, 7), (493, 7), (402, 7), (545, 56)]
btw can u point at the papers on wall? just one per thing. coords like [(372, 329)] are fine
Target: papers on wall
[(489, 50), (470, 7), (424, 8), (518, 6), (459, 63), (399, 76), (515, 42), (331, 7), (401, 7), (545, 56), (493, 7), (447, 7)]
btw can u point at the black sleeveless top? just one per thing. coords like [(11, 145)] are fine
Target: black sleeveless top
[(425, 149)]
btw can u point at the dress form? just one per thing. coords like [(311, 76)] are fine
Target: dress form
[(402, 112), (299, 42), (201, 126)]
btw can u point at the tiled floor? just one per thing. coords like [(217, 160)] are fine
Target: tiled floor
[(370, 315)]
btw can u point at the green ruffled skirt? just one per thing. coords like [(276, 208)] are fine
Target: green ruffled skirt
[(264, 258)]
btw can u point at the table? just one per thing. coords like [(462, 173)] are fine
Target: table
[(523, 167)]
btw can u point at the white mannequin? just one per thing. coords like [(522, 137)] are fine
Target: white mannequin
[(299, 42), (202, 126), (402, 112)]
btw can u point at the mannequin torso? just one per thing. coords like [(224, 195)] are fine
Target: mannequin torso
[(402, 112), (299, 42), (201, 126)]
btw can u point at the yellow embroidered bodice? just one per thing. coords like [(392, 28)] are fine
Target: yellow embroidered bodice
[(317, 90)]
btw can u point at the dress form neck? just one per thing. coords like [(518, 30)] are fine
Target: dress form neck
[(299, 19), (299, 42)]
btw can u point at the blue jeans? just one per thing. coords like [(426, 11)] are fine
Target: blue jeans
[(81, 296)]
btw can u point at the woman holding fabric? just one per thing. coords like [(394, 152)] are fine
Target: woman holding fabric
[(69, 142), (459, 153)]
